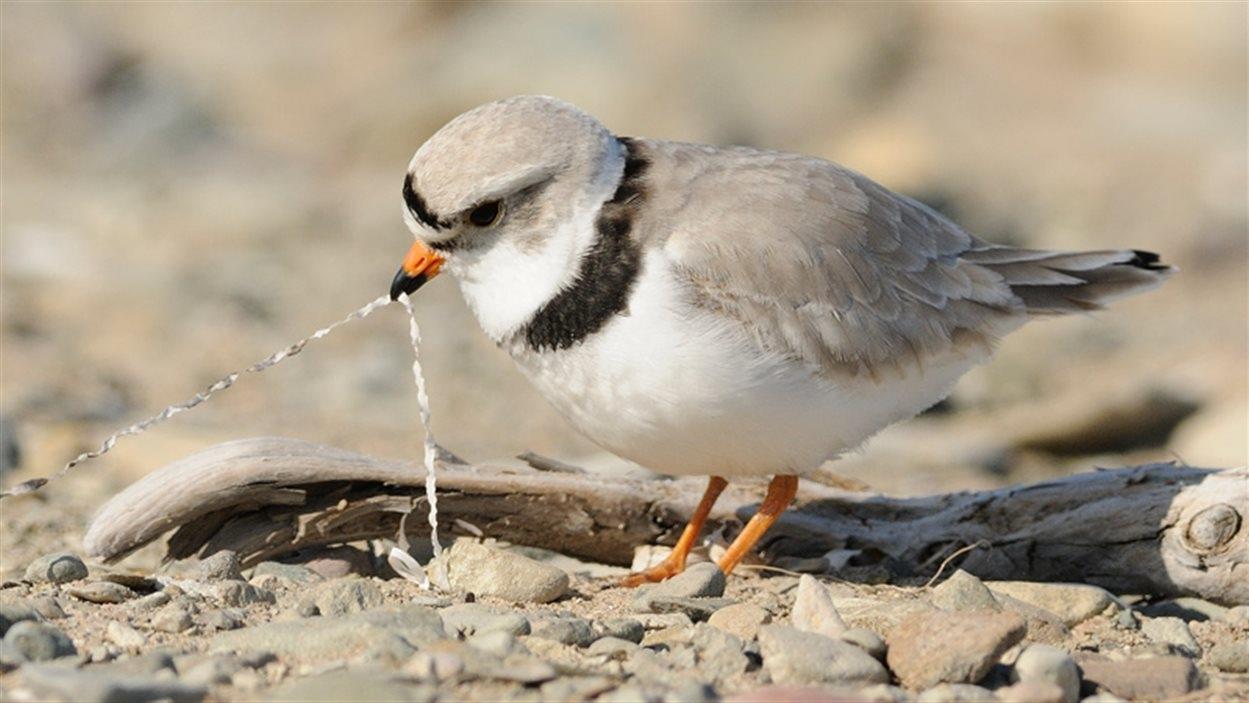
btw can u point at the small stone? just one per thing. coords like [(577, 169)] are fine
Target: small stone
[(49, 608), (13, 613), (61, 567), (942, 647), (1127, 620), (291, 572), (1072, 602), (626, 629), (1230, 657), (434, 666), (85, 686), (494, 642), (1187, 609), (220, 566), (956, 693), (239, 594), (35, 642), (1031, 692), (1173, 632), (337, 638), (697, 609), (471, 618), (223, 619), (963, 592), (565, 630), (792, 656), (702, 580), (866, 640), (102, 592), (740, 619), (612, 648), (814, 611), (349, 595), (151, 601), (124, 636), (172, 618), (1041, 663), (476, 568), (1156, 678), (720, 654)]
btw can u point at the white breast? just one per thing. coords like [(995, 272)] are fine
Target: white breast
[(680, 391)]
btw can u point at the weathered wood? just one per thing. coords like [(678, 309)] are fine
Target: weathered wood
[(1158, 528)]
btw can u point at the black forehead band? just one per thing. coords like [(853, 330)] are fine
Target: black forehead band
[(416, 204)]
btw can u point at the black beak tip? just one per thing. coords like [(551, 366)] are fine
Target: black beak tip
[(403, 284)]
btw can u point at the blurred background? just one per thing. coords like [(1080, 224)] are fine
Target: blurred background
[(189, 187)]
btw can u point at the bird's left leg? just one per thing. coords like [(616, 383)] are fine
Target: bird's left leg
[(675, 563), (781, 491)]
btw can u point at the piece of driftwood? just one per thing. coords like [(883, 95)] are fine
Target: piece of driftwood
[(1156, 529)]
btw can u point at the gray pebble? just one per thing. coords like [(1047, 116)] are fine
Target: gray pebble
[(1127, 620), (962, 592), (1231, 657), (221, 566), (86, 686), (697, 609), (1041, 663), (742, 620), (626, 629), (291, 572), (239, 594), (151, 601), (1173, 632), (866, 640), (348, 595), (792, 656), (12, 613), (702, 580), (61, 567), (498, 643), (34, 642), (223, 619), (48, 607), (481, 569), (565, 630), (612, 648), (172, 618), (102, 592), (472, 618)]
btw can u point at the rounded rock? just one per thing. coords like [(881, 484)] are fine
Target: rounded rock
[(61, 567), (1043, 664), (33, 641)]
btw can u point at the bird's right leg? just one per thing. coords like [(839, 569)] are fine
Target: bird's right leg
[(675, 563)]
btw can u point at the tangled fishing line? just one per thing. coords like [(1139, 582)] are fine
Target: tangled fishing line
[(225, 382)]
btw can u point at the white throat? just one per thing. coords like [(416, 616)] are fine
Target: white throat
[(506, 284)]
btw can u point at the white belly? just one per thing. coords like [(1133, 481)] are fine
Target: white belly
[(681, 392)]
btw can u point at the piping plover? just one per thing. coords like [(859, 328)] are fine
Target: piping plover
[(719, 311)]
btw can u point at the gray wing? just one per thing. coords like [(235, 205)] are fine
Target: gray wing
[(821, 264)]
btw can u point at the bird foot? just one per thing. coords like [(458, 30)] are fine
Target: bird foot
[(661, 571)]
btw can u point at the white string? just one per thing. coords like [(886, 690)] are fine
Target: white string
[(431, 447), (220, 385)]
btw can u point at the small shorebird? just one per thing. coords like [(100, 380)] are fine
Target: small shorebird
[(719, 311)]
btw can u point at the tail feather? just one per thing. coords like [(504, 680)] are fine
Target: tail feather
[(1055, 283)]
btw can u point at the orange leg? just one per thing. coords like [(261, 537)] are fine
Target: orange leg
[(675, 563), (781, 491)]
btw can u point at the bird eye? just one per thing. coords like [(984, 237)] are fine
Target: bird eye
[(485, 214)]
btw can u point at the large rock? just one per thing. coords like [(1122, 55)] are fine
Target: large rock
[(814, 611), (940, 647), (792, 656), (477, 568), (1073, 602), (1153, 679)]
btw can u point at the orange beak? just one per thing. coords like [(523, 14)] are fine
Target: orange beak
[(420, 265)]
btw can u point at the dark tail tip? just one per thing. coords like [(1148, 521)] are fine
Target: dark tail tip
[(1147, 260)]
